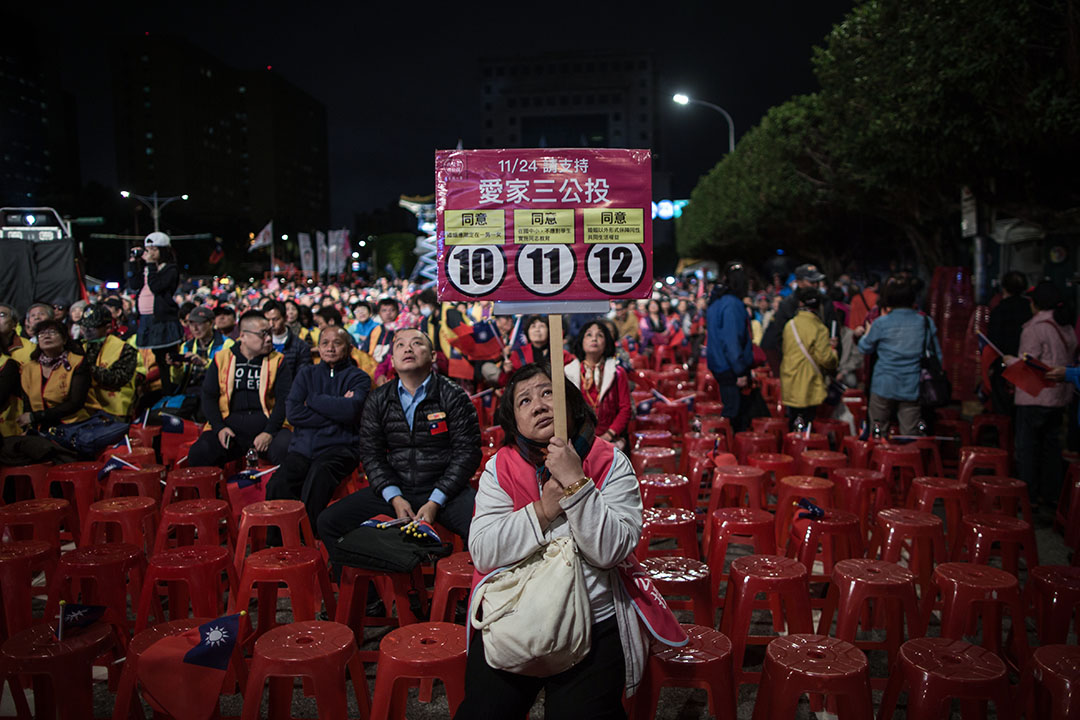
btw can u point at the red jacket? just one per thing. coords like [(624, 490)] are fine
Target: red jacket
[(613, 410)]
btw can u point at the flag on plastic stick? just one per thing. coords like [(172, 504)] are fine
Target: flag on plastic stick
[(114, 463), (989, 353), (74, 617), (1027, 377), (183, 674), (661, 397), (645, 406), (265, 238), (486, 341), (677, 338), (171, 423), (517, 337)]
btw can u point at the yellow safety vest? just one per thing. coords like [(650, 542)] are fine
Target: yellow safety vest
[(225, 360), (21, 354), (44, 394), (115, 402), (14, 408)]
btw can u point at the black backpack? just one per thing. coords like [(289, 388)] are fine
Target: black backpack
[(385, 549)]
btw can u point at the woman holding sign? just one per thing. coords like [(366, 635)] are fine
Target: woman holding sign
[(579, 640), (602, 381)]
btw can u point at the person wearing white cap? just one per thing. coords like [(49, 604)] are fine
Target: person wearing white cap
[(154, 282)]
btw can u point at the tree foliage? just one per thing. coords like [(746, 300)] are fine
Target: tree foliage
[(917, 99)]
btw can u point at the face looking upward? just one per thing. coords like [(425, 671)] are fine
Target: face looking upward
[(411, 351), (534, 408)]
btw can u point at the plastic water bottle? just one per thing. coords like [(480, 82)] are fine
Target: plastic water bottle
[(877, 431), (251, 460)]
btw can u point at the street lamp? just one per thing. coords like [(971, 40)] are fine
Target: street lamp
[(153, 202), (684, 99)]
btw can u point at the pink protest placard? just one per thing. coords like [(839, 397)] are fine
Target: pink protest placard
[(540, 224)]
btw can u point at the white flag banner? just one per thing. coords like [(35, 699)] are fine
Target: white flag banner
[(265, 238), (333, 253), (320, 249), (346, 249), (307, 257)]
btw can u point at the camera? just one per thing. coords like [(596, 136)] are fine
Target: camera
[(136, 253)]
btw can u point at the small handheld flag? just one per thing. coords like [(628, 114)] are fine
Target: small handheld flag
[(813, 512), (115, 463), (74, 616), (171, 423)]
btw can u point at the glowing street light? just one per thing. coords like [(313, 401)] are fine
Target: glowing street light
[(155, 203), (684, 99)]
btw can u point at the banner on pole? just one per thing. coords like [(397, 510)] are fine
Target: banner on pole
[(532, 224), (265, 238), (307, 257), (320, 250)]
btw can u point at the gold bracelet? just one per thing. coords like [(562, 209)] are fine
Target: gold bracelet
[(571, 489)]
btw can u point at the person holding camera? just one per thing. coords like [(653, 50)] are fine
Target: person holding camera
[(154, 282)]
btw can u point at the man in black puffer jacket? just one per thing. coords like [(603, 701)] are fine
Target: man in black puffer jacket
[(419, 444)]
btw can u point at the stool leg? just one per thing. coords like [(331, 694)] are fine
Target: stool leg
[(360, 686), (330, 696), (281, 695)]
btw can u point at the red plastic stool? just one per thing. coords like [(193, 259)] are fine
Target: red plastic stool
[(652, 438), (749, 443), (130, 520), (103, 574), (676, 523), (144, 435), (79, 485), (679, 413), (319, 652), (968, 591), (301, 569), (920, 533), (673, 488), (190, 573), (817, 665), (453, 580), (492, 436), (34, 476), (954, 495), (19, 561), (1070, 492), (900, 464), (858, 451), (789, 491), (417, 652), (978, 532), (973, 459), (393, 588), (37, 520), (823, 462), (740, 485), (289, 516), (736, 526), (194, 482), (1001, 495), (658, 421), (654, 458), (682, 577), (1054, 590), (954, 427), (863, 492), (137, 455), (124, 706), (698, 445), (704, 662), (935, 671), (708, 408), (835, 430), (930, 450), (856, 583), (784, 581), (1000, 423), (145, 481), (828, 539), (61, 670), (196, 522), (777, 427), (795, 443), (1055, 670), (719, 426)]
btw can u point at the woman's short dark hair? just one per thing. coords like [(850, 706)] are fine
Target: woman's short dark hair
[(809, 297), (307, 318), (899, 293), (1014, 282), (577, 409), (56, 325), (579, 341), (735, 278), (529, 320), (330, 314), (186, 309)]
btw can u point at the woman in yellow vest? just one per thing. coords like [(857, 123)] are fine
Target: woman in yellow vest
[(55, 381), (10, 393), (113, 363)]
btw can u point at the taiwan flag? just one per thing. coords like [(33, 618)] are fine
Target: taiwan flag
[(988, 356), (486, 342), (182, 675), (171, 423), (114, 463), (74, 617)]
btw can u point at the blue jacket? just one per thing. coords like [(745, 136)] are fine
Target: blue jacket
[(321, 416), (898, 339), (729, 347)]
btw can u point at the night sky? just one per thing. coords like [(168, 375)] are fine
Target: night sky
[(400, 80)]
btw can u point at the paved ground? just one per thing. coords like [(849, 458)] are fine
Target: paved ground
[(675, 703)]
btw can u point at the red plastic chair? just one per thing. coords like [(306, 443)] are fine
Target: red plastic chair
[(858, 451), (144, 481), (827, 540), (817, 665), (393, 588), (784, 581), (777, 465), (654, 458), (196, 522), (821, 462), (453, 581), (189, 483), (704, 662), (863, 492), (790, 490), (748, 443), (795, 443), (288, 516), (835, 430), (319, 652), (60, 670), (173, 444), (900, 464), (124, 706), (954, 495), (301, 570), (1002, 426), (777, 427), (652, 438), (719, 426), (970, 591), (196, 574), (33, 477), (675, 489), (104, 574), (1002, 495), (919, 533), (130, 520), (79, 484), (739, 486), (682, 577), (698, 445), (1054, 677), (979, 532), (1054, 591), (38, 520), (417, 652), (137, 455), (676, 523), (19, 562), (935, 671), (994, 461)]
